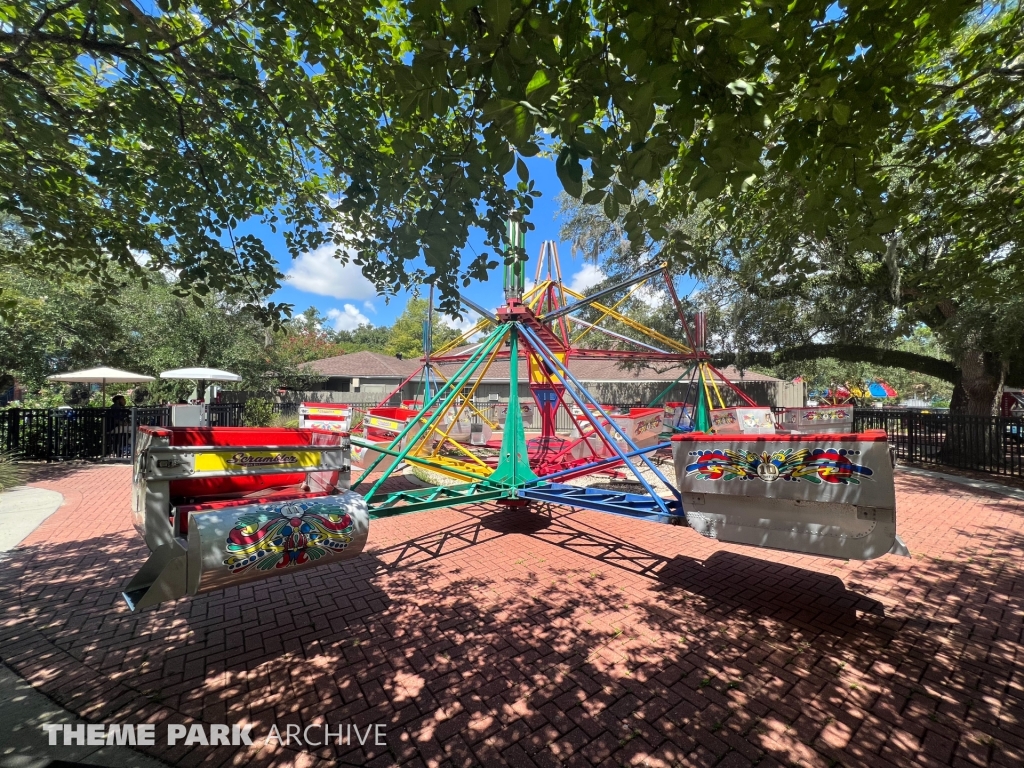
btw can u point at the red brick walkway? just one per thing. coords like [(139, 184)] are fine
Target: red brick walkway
[(483, 637)]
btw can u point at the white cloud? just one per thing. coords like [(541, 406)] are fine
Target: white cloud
[(320, 273), (588, 276), (368, 306), (347, 319), (469, 319), (651, 294)]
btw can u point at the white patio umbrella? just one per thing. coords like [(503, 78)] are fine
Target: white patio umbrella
[(201, 376), (101, 376)]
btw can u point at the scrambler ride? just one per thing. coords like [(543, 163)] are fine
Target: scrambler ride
[(225, 506)]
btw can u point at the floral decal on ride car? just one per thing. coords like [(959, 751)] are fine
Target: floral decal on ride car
[(815, 465)]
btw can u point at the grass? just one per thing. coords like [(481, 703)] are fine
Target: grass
[(290, 422), (11, 473)]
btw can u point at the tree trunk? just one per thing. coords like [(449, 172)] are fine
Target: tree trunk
[(973, 438), (980, 385)]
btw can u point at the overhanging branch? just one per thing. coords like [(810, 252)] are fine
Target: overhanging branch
[(849, 353)]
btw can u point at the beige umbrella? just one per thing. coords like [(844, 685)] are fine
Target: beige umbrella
[(201, 376), (101, 376)]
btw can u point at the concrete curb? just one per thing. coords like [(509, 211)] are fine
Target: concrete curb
[(22, 509), (981, 485)]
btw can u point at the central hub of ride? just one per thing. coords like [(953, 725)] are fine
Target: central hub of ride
[(451, 433)]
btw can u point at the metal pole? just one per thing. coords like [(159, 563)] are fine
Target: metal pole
[(103, 430), (619, 336), (540, 348), (679, 308), (456, 383), (418, 460), (464, 373), (428, 342), (605, 462), (668, 389), (135, 426), (600, 294), (478, 309)]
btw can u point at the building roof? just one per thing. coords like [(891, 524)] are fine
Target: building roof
[(608, 371), (363, 364), (368, 365)]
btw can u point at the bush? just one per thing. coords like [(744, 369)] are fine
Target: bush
[(289, 422), (259, 412), (49, 396), (11, 473)]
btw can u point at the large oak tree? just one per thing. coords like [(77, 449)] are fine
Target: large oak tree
[(389, 128), (932, 236)]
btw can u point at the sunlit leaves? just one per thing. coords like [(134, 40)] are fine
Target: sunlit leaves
[(390, 128)]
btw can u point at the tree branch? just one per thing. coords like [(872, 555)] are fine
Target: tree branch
[(849, 353)]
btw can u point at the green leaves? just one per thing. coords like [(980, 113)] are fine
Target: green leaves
[(570, 172), (611, 207), (541, 87), (516, 119), (522, 171), (391, 127), (497, 13), (540, 79)]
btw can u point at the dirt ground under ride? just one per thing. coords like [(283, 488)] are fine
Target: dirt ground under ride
[(480, 636)]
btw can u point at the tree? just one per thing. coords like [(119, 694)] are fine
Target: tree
[(374, 338), (305, 338), (55, 326), (407, 332), (388, 129), (941, 249), (824, 372), (786, 305)]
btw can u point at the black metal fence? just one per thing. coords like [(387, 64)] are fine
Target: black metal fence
[(91, 433), (227, 414), (991, 444), (67, 433)]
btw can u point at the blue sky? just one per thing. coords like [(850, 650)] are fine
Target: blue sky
[(347, 298)]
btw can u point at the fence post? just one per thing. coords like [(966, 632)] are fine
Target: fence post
[(14, 427), (131, 435)]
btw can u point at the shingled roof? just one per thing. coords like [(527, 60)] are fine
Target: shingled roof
[(363, 364), (376, 365), (608, 371)]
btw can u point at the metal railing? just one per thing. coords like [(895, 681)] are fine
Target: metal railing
[(91, 433), (992, 444), (226, 414), (67, 433)]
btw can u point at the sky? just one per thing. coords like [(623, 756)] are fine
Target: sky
[(347, 299)]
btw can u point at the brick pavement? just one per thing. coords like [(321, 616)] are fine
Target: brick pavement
[(483, 637)]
